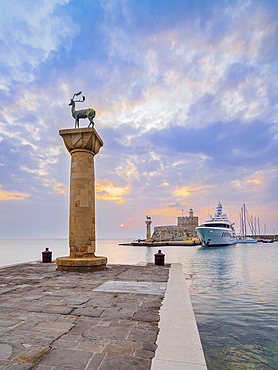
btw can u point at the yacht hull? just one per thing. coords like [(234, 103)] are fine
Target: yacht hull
[(216, 237)]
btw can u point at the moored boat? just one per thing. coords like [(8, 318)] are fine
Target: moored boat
[(244, 240), (218, 231)]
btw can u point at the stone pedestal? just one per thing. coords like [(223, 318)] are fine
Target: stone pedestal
[(83, 144)]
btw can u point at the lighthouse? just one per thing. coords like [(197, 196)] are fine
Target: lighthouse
[(148, 228)]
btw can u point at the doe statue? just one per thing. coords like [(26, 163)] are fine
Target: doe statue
[(83, 113)]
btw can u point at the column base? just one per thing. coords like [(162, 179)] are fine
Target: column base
[(70, 264)]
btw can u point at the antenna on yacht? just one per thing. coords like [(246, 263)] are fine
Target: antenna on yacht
[(230, 210)]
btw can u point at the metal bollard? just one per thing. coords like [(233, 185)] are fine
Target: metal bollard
[(159, 258), (46, 256)]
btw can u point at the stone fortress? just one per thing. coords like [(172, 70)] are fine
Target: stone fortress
[(186, 228)]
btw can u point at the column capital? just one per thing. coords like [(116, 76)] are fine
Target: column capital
[(82, 139)]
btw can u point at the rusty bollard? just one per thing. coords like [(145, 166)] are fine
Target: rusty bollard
[(159, 258), (46, 256)]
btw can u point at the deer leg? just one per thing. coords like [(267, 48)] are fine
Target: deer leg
[(91, 123)]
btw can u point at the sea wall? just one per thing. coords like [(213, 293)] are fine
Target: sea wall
[(173, 232)]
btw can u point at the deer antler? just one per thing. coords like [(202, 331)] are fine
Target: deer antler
[(76, 95)]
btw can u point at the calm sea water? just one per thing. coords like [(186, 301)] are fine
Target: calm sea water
[(234, 292)]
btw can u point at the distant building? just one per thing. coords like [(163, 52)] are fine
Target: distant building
[(185, 229)]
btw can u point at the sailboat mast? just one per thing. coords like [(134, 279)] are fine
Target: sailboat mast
[(244, 220), (241, 222), (265, 230)]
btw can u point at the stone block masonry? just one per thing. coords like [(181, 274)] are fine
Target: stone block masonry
[(186, 228), (82, 206), (170, 233), (83, 144)]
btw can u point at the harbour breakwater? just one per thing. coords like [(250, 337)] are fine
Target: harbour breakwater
[(105, 320), (187, 243), (263, 237)]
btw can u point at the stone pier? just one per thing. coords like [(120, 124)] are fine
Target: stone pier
[(83, 144)]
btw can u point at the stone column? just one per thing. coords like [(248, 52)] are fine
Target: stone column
[(83, 144), (148, 230)]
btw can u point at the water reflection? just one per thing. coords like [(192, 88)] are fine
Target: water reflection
[(236, 303), (150, 251)]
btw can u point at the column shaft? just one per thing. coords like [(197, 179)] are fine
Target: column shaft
[(82, 205)]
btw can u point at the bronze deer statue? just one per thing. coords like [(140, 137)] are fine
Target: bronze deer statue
[(83, 113)]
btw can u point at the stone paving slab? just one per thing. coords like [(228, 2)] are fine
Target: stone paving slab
[(51, 320), (132, 287)]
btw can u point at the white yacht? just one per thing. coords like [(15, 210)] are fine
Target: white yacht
[(217, 231)]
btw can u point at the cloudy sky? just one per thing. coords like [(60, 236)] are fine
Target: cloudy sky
[(186, 98)]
